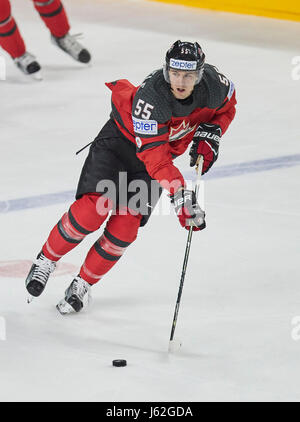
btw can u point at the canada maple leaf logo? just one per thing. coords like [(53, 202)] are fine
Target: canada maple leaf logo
[(181, 131)]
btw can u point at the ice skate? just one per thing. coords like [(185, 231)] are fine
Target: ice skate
[(77, 297), (29, 66), (71, 46), (39, 275)]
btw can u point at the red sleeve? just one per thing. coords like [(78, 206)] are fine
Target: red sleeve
[(159, 165), (224, 116)]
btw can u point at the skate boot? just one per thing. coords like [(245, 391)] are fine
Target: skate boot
[(71, 46), (38, 275), (28, 65), (77, 296)]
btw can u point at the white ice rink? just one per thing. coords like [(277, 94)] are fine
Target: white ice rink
[(241, 340)]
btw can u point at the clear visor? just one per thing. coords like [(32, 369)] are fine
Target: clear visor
[(166, 69)]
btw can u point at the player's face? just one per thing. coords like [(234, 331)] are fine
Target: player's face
[(182, 83)]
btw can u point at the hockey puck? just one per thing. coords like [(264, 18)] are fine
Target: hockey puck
[(119, 362)]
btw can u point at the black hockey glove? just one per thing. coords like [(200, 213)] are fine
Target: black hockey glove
[(206, 142), (188, 210)]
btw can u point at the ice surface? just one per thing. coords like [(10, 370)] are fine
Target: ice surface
[(242, 285)]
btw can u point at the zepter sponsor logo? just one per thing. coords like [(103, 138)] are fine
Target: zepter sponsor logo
[(145, 127), (183, 64)]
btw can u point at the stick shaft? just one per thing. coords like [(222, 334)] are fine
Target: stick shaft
[(199, 166)]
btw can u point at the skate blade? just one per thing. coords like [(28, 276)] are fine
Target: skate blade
[(64, 307), (30, 299), (37, 76)]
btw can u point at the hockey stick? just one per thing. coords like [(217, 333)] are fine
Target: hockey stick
[(175, 344)]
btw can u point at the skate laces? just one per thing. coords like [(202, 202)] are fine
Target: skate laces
[(25, 60), (70, 43), (80, 287), (44, 267), (79, 35)]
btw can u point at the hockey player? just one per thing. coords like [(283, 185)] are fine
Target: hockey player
[(186, 102), (54, 16)]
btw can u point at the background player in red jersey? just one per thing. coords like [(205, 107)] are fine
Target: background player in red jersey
[(186, 102), (54, 16)]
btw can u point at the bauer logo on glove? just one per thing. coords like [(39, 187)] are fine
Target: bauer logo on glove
[(206, 142), (188, 210)]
